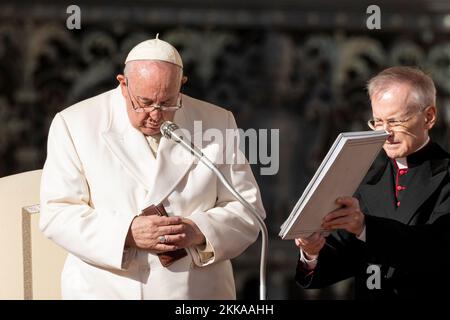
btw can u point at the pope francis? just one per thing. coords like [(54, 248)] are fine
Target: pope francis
[(107, 162)]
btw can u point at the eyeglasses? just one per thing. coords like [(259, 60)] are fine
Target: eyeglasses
[(377, 124), (167, 106)]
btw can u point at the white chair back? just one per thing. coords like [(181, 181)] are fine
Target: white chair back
[(30, 264)]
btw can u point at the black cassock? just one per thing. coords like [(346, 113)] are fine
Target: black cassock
[(407, 214)]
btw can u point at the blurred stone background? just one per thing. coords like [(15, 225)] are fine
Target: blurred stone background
[(297, 66)]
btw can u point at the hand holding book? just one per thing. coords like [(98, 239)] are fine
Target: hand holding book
[(339, 174), (168, 257)]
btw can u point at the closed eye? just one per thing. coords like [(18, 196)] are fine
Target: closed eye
[(393, 121), (147, 102)]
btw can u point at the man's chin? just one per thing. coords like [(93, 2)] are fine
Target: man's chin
[(394, 154), (149, 131)]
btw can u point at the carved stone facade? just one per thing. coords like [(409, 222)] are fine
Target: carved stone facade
[(305, 78)]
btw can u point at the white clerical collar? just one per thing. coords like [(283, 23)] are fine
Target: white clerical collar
[(402, 163)]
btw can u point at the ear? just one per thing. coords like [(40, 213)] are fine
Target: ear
[(184, 79), (430, 117), (123, 85), (121, 79)]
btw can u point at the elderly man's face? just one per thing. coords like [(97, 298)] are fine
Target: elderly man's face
[(406, 138), (150, 82)]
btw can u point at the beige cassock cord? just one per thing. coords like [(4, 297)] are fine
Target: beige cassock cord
[(153, 143)]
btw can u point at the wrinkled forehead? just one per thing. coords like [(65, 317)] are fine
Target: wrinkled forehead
[(153, 75), (152, 68), (392, 100)]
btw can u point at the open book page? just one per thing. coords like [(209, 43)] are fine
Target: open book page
[(339, 174)]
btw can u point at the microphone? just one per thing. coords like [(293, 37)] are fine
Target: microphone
[(168, 129)]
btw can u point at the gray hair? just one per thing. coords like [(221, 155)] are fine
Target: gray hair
[(423, 91)]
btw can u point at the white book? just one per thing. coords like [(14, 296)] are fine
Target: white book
[(339, 174)]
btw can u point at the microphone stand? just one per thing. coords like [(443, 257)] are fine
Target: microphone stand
[(167, 129)]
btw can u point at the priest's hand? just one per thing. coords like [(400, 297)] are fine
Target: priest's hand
[(146, 232), (311, 245), (349, 217), (192, 235)]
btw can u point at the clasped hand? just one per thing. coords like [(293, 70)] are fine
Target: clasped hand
[(145, 231)]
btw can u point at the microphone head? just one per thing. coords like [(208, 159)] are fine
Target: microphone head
[(167, 128)]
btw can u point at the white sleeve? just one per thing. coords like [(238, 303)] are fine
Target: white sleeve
[(362, 236), (309, 263)]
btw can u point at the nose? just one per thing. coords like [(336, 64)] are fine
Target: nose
[(155, 114), (387, 127)]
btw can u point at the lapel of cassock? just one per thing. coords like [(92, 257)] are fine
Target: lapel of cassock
[(172, 161), (427, 178), (377, 191), (128, 144)]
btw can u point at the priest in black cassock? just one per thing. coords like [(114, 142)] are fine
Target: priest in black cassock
[(393, 235)]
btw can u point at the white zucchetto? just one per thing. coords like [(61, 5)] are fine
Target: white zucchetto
[(155, 49)]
